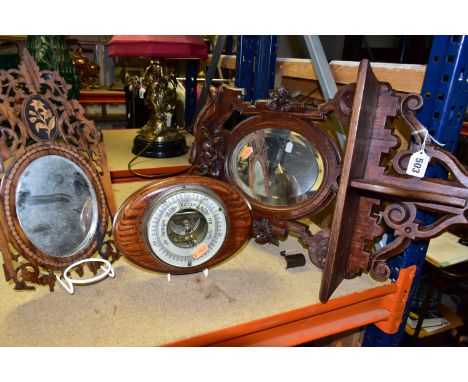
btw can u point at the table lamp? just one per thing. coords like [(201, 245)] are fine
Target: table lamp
[(156, 139)]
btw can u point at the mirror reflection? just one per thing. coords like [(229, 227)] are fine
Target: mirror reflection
[(277, 166), (56, 206)]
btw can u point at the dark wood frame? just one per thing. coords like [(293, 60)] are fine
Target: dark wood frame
[(129, 223), (312, 133), (214, 143), (70, 135)]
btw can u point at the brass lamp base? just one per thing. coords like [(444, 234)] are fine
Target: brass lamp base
[(157, 139), (166, 148)]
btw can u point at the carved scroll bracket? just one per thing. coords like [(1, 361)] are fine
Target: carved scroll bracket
[(407, 108)]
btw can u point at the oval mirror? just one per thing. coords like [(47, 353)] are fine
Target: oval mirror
[(277, 166), (56, 206)]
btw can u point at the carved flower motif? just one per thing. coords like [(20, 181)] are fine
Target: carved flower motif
[(263, 233), (41, 117), (212, 152)]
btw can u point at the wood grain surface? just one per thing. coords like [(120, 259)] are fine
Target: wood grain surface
[(129, 222)]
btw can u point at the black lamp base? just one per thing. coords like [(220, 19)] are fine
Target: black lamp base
[(166, 149)]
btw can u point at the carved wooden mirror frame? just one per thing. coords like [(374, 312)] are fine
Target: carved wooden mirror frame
[(37, 120), (212, 155)]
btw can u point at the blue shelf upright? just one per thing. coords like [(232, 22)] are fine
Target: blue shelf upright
[(265, 66), (255, 65), (191, 73), (445, 93)]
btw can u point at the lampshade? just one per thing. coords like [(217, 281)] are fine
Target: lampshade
[(164, 46)]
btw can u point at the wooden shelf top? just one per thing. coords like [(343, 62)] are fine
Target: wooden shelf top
[(445, 250), (403, 77), (118, 145)]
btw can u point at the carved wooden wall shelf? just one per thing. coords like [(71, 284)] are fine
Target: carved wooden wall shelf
[(375, 193), (56, 200)]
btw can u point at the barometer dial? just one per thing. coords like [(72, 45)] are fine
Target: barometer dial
[(182, 224), (187, 227)]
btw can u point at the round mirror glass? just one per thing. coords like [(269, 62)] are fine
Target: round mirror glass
[(277, 166), (56, 206)]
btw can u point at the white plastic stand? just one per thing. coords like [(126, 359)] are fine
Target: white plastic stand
[(67, 282)]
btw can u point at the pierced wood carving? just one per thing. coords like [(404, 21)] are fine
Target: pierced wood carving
[(37, 120), (375, 193)]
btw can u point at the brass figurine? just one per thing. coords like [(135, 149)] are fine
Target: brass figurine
[(157, 138)]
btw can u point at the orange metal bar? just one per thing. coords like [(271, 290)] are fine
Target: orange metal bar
[(382, 306), (396, 302), (125, 176)]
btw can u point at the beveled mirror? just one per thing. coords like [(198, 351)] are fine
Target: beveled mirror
[(285, 167), (57, 203), (287, 170), (56, 206)]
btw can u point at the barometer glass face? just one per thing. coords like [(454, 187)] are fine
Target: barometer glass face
[(277, 166), (56, 206), (186, 227)]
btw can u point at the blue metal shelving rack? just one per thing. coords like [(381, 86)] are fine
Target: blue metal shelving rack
[(255, 65), (445, 92)]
